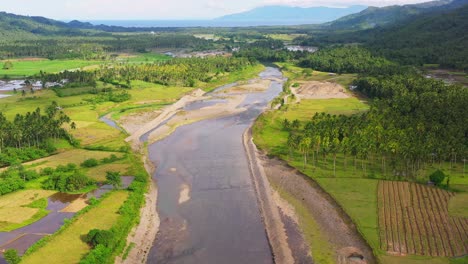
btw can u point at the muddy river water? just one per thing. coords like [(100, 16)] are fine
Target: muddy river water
[(206, 199)]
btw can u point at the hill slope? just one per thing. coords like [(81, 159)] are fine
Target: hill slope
[(438, 38), (383, 16), (282, 13)]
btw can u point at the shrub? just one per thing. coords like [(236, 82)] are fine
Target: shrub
[(100, 254), (11, 256), (114, 179), (97, 237), (437, 177), (89, 163)]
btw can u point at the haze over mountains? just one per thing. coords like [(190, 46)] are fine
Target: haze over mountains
[(311, 15)]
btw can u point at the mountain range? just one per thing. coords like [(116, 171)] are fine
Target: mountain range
[(311, 15)]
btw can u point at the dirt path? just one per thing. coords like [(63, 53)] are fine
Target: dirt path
[(333, 221)]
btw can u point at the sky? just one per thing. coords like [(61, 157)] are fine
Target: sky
[(162, 9)]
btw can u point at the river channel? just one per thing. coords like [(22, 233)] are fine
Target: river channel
[(206, 199)]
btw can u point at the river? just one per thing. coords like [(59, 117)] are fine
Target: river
[(206, 199)]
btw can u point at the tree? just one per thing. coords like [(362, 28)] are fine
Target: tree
[(437, 177), (11, 256), (114, 179), (97, 237), (8, 65)]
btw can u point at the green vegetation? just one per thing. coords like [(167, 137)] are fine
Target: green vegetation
[(458, 205), (22, 208), (66, 179), (437, 177), (69, 239), (25, 67), (350, 175), (358, 197), (11, 256), (349, 59)]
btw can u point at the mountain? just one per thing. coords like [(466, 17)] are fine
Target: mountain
[(438, 37), (309, 15), (378, 17)]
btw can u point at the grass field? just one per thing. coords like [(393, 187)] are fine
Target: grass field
[(23, 67), (458, 205), (68, 246), (14, 210), (76, 156), (285, 37), (358, 197), (99, 173)]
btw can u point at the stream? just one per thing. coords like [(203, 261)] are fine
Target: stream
[(206, 199)]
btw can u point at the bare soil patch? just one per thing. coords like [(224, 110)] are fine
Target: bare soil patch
[(76, 205), (135, 121), (319, 90)]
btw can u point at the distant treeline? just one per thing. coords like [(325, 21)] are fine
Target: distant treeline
[(185, 72), (95, 46)]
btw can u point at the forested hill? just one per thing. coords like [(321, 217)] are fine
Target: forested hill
[(16, 26), (430, 39), (377, 17), (437, 37), (289, 13)]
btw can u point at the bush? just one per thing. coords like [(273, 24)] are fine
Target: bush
[(437, 177), (67, 179), (89, 163), (11, 256), (100, 254), (97, 237), (114, 179)]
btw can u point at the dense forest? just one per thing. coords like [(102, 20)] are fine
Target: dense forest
[(349, 59)]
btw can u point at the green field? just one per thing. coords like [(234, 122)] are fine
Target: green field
[(17, 209), (68, 246), (24, 67)]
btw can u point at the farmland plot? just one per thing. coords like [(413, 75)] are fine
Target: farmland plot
[(414, 219)]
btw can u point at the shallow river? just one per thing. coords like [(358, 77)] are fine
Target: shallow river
[(206, 200)]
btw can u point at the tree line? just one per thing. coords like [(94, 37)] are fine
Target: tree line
[(412, 122), (180, 71)]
